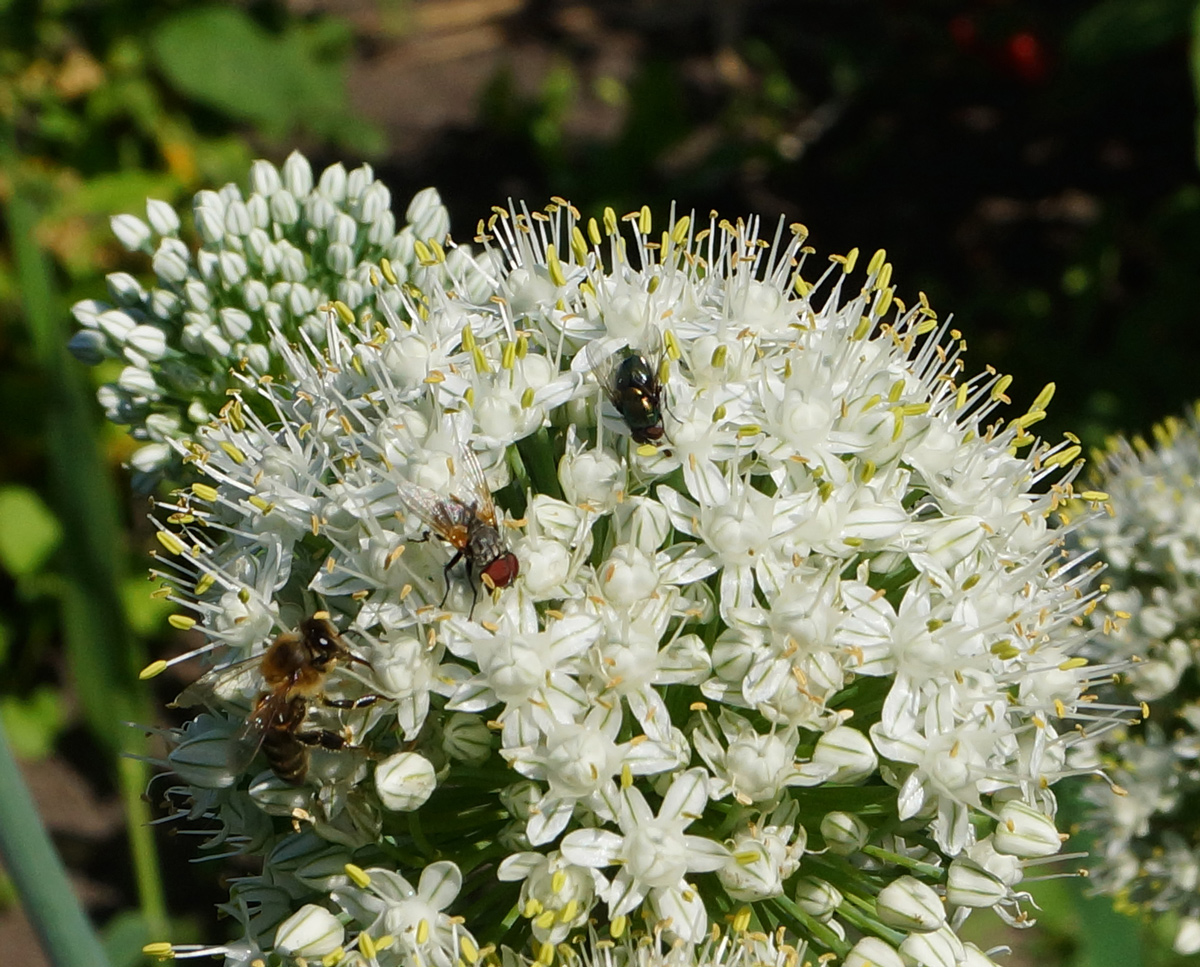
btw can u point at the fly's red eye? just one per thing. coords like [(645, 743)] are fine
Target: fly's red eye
[(503, 570)]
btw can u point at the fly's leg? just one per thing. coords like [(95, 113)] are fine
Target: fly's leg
[(446, 574)]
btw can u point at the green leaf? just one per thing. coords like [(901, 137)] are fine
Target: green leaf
[(220, 57), (29, 531), (1120, 28), (123, 938), (146, 615), (33, 723)]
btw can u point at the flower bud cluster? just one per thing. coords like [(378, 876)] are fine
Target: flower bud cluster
[(270, 262), (791, 637), (1148, 826)]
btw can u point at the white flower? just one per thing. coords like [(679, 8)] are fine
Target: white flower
[(654, 854)]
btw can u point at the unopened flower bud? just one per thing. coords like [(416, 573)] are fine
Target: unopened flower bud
[(131, 232), (339, 257), (343, 229), (937, 948), (297, 174), (162, 216), (89, 346), (818, 898), (519, 798), (969, 885), (233, 267), (844, 833), (170, 264), (311, 931), (149, 341), (592, 477), (427, 215), (126, 291), (210, 224), (237, 219), (405, 781), (138, 382), (873, 952), (333, 182), (909, 904), (151, 457), (116, 324), (848, 752), (202, 759), (235, 323), (1026, 832), (467, 738), (283, 207)]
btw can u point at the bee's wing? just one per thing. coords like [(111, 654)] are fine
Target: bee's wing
[(445, 515), (244, 745), (226, 686)]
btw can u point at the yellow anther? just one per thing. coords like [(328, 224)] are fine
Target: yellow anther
[(527, 398), (468, 339), (578, 245), (558, 881), (883, 301), (385, 266), (439, 253), (1072, 663), (358, 876), (508, 355), (718, 357), (160, 950), (594, 231), (851, 259), (366, 945), (206, 581), (1044, 397), (170, 542), (545, 920), (205, 492), (480, 361), (617, 927), (557, 276), (421, 250), (260, 503), (719, 413), (150, 671), (422, 931), (181, 622), (467, 946), (680, 231), (647, 450), (610, 221), (334, 957), (749, 430), (344, 312), (626, 776), (877, 261), (1096, 495), (672, 344), (1002, 384), (235, 454), (644, 221)]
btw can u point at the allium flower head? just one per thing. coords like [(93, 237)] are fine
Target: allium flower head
[(817, 636), (1150, 542), (269, 262)]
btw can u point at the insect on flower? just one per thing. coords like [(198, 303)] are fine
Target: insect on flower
[(468, 523), (294, 669), (633, 385)]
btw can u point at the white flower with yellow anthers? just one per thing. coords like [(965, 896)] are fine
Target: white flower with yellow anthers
[(752, 542), (1146, 829)]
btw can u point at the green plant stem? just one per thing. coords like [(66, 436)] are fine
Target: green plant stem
[(103, 657), (32, 862)]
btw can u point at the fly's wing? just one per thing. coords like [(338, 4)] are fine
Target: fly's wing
[(600, 358), (445, 516), (230, 687), (474, 486)]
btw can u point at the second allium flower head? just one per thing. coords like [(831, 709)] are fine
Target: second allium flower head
[(816, 639)]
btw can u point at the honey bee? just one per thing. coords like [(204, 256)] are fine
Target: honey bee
[(294, 669), (468, 524)]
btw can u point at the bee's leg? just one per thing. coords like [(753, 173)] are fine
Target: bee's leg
[(446, 574), (322, 737), (361, 702)]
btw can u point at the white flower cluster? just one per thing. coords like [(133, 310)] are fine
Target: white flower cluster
[(772, 622), (1150, 542), (268, 262)]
